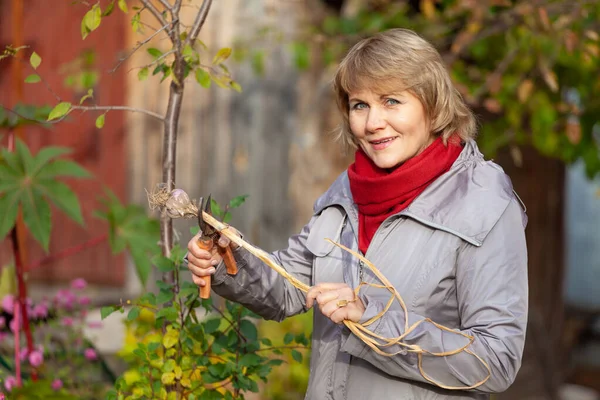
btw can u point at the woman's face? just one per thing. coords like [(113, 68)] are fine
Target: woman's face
[(390, 128)]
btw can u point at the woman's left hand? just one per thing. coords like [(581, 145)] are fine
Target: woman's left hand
[(336, 301)]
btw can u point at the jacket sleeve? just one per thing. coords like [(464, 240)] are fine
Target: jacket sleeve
[(492, 296), (260, 288)]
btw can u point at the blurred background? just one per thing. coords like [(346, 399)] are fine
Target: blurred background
[(529, 69)]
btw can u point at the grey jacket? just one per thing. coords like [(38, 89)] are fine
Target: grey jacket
[(457, 255)]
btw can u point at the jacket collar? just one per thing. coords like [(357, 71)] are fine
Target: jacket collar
[(466, 201)]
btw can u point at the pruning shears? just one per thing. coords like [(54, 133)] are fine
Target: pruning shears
[(210, 238)]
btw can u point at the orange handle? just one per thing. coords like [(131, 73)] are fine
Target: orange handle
[(230, 262), (205, 244)]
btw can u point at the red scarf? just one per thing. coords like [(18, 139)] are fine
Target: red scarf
[(379, 193)]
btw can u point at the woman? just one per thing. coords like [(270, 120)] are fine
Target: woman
[(439, 222)]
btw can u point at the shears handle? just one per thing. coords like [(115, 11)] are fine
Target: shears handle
[(227, 256), (205, 244)]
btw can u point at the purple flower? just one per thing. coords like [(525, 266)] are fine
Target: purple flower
[(90, 354), (78, 284), (8, 303), (67, 321), (10, 382), (36, 358), (57, 384)]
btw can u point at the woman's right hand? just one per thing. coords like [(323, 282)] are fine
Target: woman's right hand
[(202, 263)]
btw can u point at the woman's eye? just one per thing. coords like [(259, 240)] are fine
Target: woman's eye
[(392, 102), (358, 106)]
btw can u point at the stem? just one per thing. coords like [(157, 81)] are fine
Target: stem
[(199, 22), (22, 296), (66, 252), (140, 44), (17, 325), (118, 108)]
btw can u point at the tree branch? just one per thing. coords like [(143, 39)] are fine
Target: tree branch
[(148, 4), (140, 44), (119, 108), (199, 22), (166, 4)]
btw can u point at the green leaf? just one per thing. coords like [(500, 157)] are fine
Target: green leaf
[(62, 168), (248, 329), (46, 154), (169, 313), (60, 110), (133, 313), (143, 74), (93, 18), (142, 263), (109, 9), (35, 60), (36, 214), (212, 325), (63, 197), (9, 204), (188, 288), (238, 201), (164, 264), (203, 78), (100, 121), (250, 360), (106, 311), (288, 338), (33, 78), (156, 53), (296, 355), (222, 55), (301, 55), (84, 29), (123, 6), (25, 157)]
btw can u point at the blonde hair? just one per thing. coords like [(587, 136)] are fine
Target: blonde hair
[(399, 59)]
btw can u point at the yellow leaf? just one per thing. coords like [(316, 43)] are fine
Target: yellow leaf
[(222, 55), (171, 338), (186, 382), (168, 378), (428, 8), (177, 372), (524, 90), (123, 6)]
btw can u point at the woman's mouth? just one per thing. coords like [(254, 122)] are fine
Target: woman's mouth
[(382, 143)]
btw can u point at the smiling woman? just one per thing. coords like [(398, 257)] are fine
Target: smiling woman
[(439, 222)]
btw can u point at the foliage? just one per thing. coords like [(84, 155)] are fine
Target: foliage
[(178, 342), (529, 70), (289, 380), (66, 364), (30, 181)]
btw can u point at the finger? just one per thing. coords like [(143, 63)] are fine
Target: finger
[(325, 286), (327, 297), (202, 262), (195, 250), (311, 295), (224, 241), (200, 271), (198, 281)]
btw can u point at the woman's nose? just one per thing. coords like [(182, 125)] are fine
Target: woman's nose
[(375, 120)]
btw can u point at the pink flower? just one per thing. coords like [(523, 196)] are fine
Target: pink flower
[(90, 354), (36, 358), (84, 301), (10, 382), (57, 384), (40, 311), (8, 303), (65, 298), (2, 396), (23, 353), (67, 321), (78, 284), (95, 324)]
